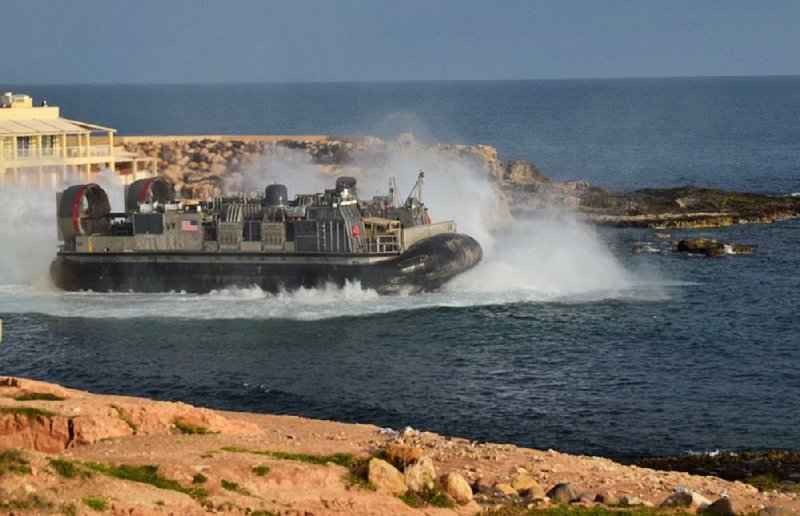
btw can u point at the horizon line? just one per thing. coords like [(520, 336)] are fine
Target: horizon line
[(386, 81)]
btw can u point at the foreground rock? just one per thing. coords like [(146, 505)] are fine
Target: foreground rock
[(63, 450), (457, 488), (385, 477)]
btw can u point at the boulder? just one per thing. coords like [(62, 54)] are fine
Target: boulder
[(702, 245), (678, 499), (561, 493), (504, 489), (421, 475), (634, 501), (483, 486), (524, 484), (173, 173), (402, 455), (725, 506), (386, 477), (522, 173), (217, 169), (606, 498), (457, 488)]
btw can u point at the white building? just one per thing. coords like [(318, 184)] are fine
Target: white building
[(38, 147)]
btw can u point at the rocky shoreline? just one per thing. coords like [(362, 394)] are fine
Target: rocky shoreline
[(203, 166), (69, 451)]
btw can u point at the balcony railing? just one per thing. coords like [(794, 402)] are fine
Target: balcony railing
[(57, 152)]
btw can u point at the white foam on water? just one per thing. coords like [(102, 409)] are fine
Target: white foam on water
[(555, 257)]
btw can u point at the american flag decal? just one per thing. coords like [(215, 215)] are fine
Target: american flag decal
[(189, 225)]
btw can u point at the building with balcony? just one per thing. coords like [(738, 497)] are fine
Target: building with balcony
[(38, 147)]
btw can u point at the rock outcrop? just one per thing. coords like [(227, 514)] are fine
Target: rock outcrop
[(35, 415), (711, 247)]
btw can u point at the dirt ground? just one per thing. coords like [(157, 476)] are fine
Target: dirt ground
[(75, 452)]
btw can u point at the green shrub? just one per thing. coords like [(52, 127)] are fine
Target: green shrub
[(236, 488), (342, 459), (261, 470), (96, 503), (11, 462)]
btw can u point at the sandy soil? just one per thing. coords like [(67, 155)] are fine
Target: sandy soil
[(101, 429)]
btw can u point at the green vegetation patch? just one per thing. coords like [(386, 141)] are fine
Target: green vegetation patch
[(411, 499), (96, 503), (236, 488), (30, 503), (769, 482), (188, 428), (143, 474), (29, 412), (358, 479), (199, 479), (38, 396), (11, 462), (261, 470), (68, 469), (439, 499), (342, 459), (432, 497), (68, 510), (126, 418)]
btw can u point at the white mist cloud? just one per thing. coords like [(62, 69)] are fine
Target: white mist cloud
[(291, 167), (27, 232)]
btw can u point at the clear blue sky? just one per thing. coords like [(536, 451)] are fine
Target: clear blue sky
[(198, 41)]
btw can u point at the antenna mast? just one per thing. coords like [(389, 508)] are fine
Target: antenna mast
[(417, 188)]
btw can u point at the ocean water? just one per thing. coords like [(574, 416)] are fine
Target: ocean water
[(561, 339), (739, 133)]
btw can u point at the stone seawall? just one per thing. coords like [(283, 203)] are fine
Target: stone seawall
[(204, 166)]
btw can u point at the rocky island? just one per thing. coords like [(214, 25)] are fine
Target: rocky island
[(71, 452), (204, 165)]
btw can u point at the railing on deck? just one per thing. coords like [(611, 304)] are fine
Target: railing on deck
[(383, 244), (57, 152)]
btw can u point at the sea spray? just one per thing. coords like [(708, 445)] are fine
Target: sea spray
[(28, 230), (291, 167), (554, 256)]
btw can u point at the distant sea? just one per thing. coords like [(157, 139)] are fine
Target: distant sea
[(562, 339), (739, 133)]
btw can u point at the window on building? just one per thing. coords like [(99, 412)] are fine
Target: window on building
[(48, 145), (23, 146)]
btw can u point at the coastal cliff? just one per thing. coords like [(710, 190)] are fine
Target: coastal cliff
[(68, 451), (203, 166)]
